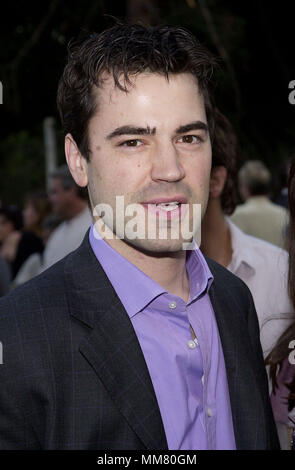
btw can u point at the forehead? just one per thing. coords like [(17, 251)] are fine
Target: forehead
[(150, 95)]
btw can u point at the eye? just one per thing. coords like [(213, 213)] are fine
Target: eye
[(190, 139), (131, 143)]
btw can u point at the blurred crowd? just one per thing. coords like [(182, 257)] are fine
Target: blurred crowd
[(47, 228), (245, 229)]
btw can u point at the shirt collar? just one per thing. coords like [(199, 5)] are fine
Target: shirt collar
[(242, 252), (134, 288), (257, 200), (200, 276)]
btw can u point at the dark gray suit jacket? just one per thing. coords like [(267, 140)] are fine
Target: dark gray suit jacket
[(74, 376)]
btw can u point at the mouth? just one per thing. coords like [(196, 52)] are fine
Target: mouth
[(168, 207)]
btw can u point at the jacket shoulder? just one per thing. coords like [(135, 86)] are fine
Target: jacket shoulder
[(45, 292)]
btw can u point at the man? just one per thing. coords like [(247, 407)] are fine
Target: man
[(135, 342), (258, 216), (69, 203), (261, 265)]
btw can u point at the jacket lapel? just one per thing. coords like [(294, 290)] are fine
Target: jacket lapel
[(245, 396), (112, 347)]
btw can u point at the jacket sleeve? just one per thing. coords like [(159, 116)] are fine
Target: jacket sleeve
[(15, 431)]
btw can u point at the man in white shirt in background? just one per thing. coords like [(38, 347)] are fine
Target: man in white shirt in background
[(261, 265), (69, 201), (258, 216)]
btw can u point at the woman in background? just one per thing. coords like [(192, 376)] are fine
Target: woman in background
[(36, 209), (282, 358), (21, 236)]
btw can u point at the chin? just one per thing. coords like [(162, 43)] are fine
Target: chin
[(157, 246)]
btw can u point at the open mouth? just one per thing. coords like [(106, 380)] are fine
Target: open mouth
[(168, 206), (169, 210)]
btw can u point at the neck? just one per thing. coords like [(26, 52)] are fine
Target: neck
[(216, 240)]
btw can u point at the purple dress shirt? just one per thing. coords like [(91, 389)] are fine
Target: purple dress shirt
[(188, 376)]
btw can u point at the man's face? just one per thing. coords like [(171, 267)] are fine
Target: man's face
[(59, 197), (152, 146)]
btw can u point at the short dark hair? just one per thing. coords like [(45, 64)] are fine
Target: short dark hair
[(126, 50), (225, 152)]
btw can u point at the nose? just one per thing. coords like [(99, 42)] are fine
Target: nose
[(166, 165)]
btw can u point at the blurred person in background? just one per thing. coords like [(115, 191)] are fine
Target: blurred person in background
[(282, 358), (261, 265), (5, 271), (5, 277), (50, 223), (279, 184), (69, 202), (17, 244), (36, 208), (258, 216)]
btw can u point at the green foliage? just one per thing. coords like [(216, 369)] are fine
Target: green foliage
[(22, 166)]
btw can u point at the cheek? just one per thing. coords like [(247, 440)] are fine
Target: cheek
[(199, 174), (115, 180)]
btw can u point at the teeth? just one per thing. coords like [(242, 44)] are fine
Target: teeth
[(167, 203), (168, 206)]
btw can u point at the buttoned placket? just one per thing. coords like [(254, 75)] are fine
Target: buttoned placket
[(206, 409), (197, 341)]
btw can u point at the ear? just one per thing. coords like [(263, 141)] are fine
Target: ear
[(217, 181), (76, 162)]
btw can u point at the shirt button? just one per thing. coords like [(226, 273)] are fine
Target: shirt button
[(172, 305), (209, 412), (203, 378), (191, 344)]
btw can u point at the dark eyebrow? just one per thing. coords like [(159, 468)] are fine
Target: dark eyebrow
[(131, 130), (193, 126)]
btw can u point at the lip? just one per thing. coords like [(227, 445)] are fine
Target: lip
[(163, 200), (159, 212)]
